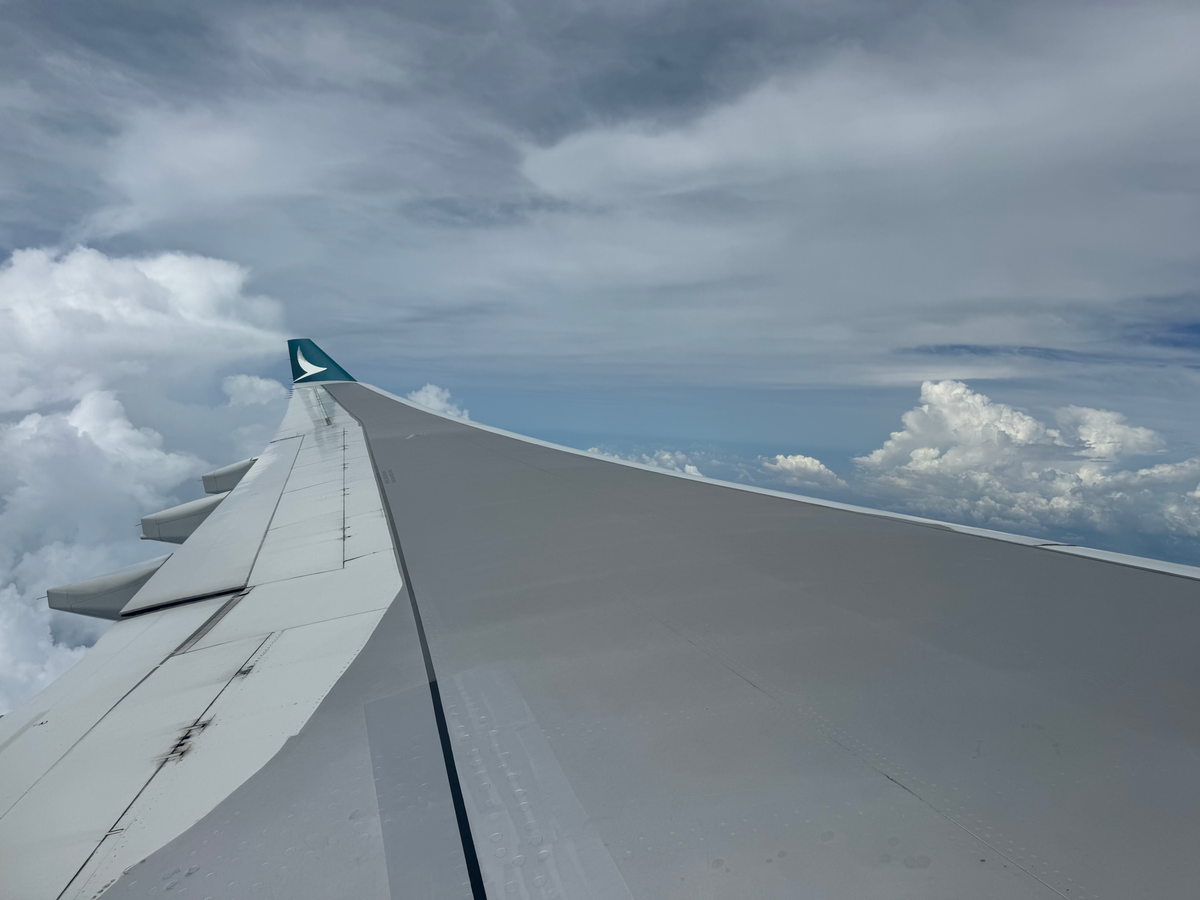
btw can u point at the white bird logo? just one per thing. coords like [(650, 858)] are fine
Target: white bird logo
[(309, 368)]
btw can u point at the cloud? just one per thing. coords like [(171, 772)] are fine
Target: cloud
[(211, 158), (957, 430), (1089, 478), (963, 457), (323, 49), (803, 471), (250, 390), (673, 460), (848, 110), (72, 487), (923, 161), (85, 339), (1105, 435), (438, 399), (795, 471), (774, 194), (74, 322)]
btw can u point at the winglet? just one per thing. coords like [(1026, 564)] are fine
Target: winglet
[(310, 363)]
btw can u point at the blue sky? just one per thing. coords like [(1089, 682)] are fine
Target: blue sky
[(937, 257)]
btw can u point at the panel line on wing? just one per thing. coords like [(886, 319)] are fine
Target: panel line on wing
[(545, 843), (197, 635), (460, 810), (115, 829), (82, 737)]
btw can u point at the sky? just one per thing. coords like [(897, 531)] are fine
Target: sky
[(935, 257)]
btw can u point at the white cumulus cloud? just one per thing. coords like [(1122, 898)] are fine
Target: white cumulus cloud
[(439, 400), (104, 363), (964, 457), (74, 485), (1105, 435), (801, 471), (81, 321)]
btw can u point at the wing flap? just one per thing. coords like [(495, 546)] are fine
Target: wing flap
[(219, 555)]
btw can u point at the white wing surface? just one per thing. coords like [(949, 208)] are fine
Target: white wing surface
[(180, 702)]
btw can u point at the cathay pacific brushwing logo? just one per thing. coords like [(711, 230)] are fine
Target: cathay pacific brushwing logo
[(309, 369)]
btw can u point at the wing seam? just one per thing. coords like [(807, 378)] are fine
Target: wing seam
[(474, 873)]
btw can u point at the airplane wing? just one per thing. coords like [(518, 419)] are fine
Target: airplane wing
[(408, 656)]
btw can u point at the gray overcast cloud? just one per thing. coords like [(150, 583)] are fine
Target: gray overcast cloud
[(864, 193), (742, 238)]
